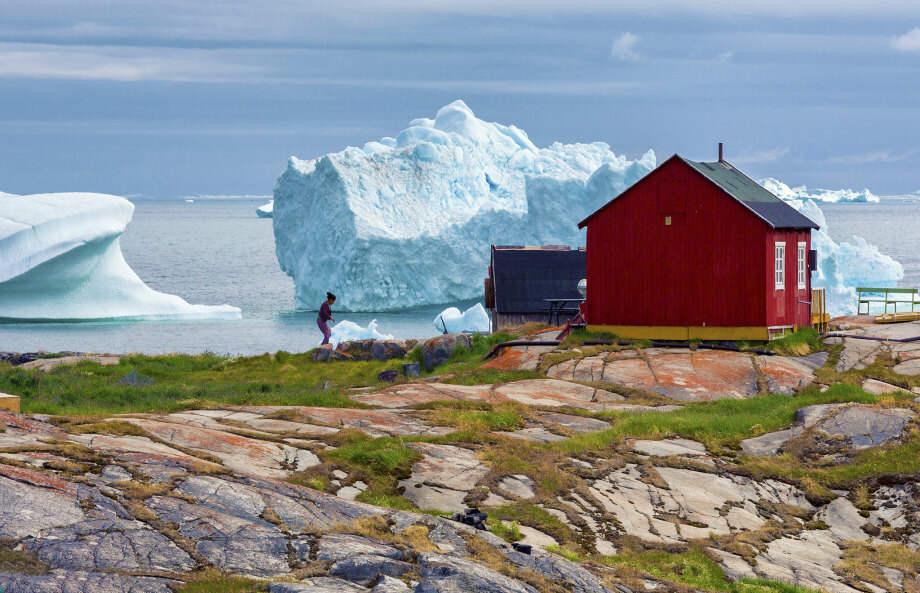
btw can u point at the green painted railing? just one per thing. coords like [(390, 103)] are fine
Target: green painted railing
[(885, 296)]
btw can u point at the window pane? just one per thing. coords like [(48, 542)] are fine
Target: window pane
[(780, 265), (801, 265)]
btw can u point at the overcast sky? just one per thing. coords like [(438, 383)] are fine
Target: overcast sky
[(174, 98)]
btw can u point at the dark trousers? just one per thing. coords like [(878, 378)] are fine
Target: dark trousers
[(324, 327)]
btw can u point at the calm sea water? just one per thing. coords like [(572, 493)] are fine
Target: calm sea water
[(215, 252), (893, 225), (208, 252)]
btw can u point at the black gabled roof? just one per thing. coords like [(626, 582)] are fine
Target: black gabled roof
[(756, 198)]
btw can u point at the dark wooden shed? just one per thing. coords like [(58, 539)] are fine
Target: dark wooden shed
[(698, 250), (522, 278)]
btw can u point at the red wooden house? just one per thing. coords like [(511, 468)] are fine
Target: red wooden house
[(698, 251)]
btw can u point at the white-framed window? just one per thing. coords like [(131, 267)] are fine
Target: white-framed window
[(779, 266), (802, 267)]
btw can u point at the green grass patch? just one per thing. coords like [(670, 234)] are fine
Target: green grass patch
[(110, 427), (185, 381), (799, 343), (504, 417), (578, 337), (464, 367), (211, 583), (536, 517), (863, 561), (181, 381), (381, 456), (320, 483), (695, 569), (542, 464), (480, 345), (379, 462), (768, 586), (454, 404), (482, 376), (510, 532), (568, 554), (896, 459), (719, 424), (551, 359), (382, 498), (18, 562), (466, 361), (881, 369), (722, 424)]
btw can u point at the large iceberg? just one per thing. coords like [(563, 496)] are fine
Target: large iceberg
[(60, 258), (408, 221)]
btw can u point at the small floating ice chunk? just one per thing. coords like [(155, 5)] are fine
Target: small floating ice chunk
[(452, 321), (265, 210), (349, 331)]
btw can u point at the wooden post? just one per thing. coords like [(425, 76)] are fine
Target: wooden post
[(9, 402)]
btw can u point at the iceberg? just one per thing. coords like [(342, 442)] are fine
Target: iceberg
[(265, 210), (60, 259), (792, 194), (349, 331), (408, 220), (473, 320), (842, 266)]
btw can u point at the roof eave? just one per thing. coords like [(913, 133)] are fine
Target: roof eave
[(769, 223), (604, 206), (810, 227)]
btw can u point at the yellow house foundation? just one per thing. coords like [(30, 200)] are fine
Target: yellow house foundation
[(684, 334), (9, 402)]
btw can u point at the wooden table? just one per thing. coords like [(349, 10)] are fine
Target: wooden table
[(556, 307)]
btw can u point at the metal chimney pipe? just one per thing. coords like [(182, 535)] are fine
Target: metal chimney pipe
[(721, 153)]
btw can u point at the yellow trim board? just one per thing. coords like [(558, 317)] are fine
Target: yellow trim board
[(650, 332), (9, 402)]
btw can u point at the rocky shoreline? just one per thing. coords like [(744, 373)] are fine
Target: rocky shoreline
[(147, 502)]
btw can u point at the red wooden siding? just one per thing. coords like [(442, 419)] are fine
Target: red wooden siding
[(707, 268), (789, 306)]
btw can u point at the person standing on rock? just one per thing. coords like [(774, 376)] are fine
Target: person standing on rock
[(325, 316)]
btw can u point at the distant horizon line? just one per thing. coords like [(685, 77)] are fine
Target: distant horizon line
[(204, 197), (904, 196)]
